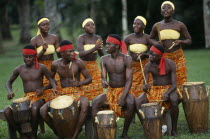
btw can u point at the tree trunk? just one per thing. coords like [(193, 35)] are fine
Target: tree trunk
[(5, 26), (206, 18), (124, 19), (1, 45), (93, 9), (52, 13), (24, 21)]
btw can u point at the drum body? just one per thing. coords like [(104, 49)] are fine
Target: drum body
[(152, 120), (106, 124), (22, 113), (196, 106), (64, 112)]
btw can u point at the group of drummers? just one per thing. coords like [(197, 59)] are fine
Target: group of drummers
[(135, 71)]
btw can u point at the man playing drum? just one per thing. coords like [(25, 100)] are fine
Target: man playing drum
[(117, 98), (164, 84), (69, 69), (32, 74)]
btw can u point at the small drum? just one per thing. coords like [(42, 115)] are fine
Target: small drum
[(152, 115), (22, 113), (196, 106), (64, 112), (106, 124)]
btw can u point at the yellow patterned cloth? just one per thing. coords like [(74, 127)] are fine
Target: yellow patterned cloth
[(181, 70), (113, 95), (156, 93), (95, 88), (75, 92), (57, 78), (48, 95), (32, 96)]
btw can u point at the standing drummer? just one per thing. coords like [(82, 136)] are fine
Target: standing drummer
[(32, 74), (69, 69), (164, 85), (117, 98)]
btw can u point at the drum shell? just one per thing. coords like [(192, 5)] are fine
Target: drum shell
[(21, 112), (196, 107), (65, 127), (106, 127), (152, 122)]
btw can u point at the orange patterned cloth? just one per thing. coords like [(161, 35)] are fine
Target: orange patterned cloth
[(156, 93), (181, 70), (95, 88), (138, 78), (48, 95), (75, 92), (113, 95), (32, 96), (57, 78)]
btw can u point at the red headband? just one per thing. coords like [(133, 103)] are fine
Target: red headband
[(122, 44), (68, 47), (31, 52), (162, 64)]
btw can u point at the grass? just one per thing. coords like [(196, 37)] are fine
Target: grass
[(198, 70)]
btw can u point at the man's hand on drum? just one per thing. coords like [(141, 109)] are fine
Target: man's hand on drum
[(121, 101), (105, 84), (10, 95), (146, 88), (165, 96), (76, 83), (39, 92)]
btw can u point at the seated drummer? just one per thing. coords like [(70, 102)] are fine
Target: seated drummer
[(164, 85), (117, 98), (69, 69), (32, 74)]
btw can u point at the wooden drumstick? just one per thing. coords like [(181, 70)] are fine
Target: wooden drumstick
[(162, 110), (185, 89), (142, 113), (42, 38), (142, 70), (50, 114), (180, 95), (96, 120), (171, 46)]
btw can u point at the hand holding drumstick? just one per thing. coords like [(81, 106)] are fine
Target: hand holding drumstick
[(176, 42)]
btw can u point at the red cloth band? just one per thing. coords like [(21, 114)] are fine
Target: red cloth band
[(66, 47), (162, 64), (31, 52), (122, 44)]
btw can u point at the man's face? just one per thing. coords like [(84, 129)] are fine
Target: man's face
[(110, 47), (90, 27), (44, 26), (138, 26), (167, 10), (68, 55), (28, 59), (153, 57)]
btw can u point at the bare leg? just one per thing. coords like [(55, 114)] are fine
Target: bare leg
[(41, 124), (97, 103), (174, 112), (129, 113), (139, 101), (82, 116), (35, 115)]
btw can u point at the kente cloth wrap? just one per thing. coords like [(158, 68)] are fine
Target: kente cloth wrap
[(181, 70), (95, 88), (138, 78), (48, 95), (57, 78), (33, 96), (113, 95), (75, 92), (156, 93)]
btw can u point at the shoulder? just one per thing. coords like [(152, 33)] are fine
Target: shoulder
[(33, 40), (56, 62), (97, 36), (81, 36), (170, 62), (129, 36), (53, 36), (105, 57), (127, 58), (158, 23), (19, 68)]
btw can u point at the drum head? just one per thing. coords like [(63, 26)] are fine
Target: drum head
[(61, 102), (105, 112), (193, 83), (149, 104), (19, 100)]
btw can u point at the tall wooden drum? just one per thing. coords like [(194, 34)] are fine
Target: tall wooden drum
[(22, 113), (64, 112), (151, 114), (106, 124), (196, 106)]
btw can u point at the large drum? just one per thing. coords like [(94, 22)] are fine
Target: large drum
[(64, 112), (152, 117), (106, 124), (196, 106), (22, 113)]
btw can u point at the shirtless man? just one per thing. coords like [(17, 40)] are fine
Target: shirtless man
[(164, 84), (32, 74), (119, 69), (69, 69)]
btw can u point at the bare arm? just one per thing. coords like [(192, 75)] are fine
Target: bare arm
[(146, 86), (57, 46), (49, 77), (103, 73), (186, 35)]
